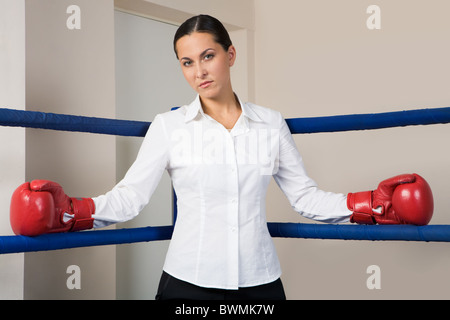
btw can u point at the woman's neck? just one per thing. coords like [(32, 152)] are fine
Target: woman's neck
[(226, 110)]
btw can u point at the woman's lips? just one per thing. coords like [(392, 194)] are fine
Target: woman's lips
[(205, 84)]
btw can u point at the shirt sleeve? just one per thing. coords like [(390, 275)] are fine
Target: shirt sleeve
[(134, 191), (302, 192)]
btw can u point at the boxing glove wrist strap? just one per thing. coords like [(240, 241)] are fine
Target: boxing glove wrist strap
[(361, 205), (83, 210)]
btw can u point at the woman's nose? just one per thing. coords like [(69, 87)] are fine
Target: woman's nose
[(201, 71)]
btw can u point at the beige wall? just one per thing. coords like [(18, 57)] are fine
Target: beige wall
[(316, 58), (235, 14), (71, 72), (12, 159)]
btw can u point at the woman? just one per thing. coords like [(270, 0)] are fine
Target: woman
[(221, 154), (246, 257)]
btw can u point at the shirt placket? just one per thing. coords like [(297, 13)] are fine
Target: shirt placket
[(232, 213)]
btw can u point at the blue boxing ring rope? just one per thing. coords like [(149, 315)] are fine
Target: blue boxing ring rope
[(52, 121)]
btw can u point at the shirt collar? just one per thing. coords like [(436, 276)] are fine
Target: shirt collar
[(195, 108)]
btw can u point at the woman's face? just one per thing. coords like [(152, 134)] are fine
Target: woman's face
[(205, 64)]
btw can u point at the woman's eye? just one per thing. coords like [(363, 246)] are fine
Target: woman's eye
[(187, 63), (209, 56)]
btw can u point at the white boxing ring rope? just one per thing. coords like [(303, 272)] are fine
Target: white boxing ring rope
[(52, 121)]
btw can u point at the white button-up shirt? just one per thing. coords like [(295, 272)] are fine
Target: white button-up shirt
[(220, 177)]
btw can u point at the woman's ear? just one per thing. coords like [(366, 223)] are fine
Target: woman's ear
[(232, 55)]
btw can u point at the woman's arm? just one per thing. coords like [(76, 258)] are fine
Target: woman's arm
[(302, 192), (134, 191)]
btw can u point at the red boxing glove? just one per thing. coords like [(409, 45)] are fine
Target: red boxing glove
[(38, 207), (404, 199)]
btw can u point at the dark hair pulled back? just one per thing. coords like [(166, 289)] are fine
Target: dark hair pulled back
[(207, 24)]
